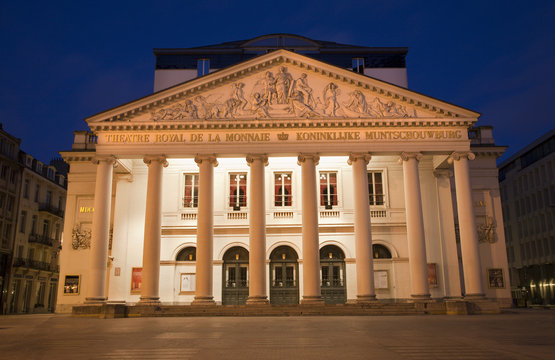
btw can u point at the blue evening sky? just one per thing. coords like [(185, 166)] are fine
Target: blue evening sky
[(62, 61)]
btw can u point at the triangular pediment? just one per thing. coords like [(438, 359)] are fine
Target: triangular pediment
[(282, 85)]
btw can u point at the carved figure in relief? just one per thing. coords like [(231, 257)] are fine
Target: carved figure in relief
[(80, 239), (486, 231), (357, 102), (191, 109), (209, 110), (260, 106), (299, 106), (331, 105), (284, 81), (239, 96), (270, 93), (301, 84)]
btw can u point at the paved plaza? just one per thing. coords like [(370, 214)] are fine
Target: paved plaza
[(519, 334)]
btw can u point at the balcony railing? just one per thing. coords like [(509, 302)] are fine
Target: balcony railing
[(41, 239), (51, 209), (35, 264)]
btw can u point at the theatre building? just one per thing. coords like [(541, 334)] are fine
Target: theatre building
[(282, 170)]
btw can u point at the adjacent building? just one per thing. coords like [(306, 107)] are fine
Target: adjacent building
[(527, 182), (32, 200), (282, 170)]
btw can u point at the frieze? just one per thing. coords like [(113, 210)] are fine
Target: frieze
[(280, 95)]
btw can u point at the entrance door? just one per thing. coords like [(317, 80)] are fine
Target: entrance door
[(332, 265), (235, 284), (284, 273)]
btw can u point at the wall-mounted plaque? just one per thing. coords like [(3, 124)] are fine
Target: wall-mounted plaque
[(187, 283), (381, 279), (71, 284), (432, 275), (495, 279), (136, 280)]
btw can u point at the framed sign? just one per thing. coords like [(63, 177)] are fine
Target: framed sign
[(381, 279), (136, 280), (432, 275), (72, 284), (187, 283), (495, 279)]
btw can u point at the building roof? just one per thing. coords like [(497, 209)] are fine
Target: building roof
[(232, 52), (527, 148)]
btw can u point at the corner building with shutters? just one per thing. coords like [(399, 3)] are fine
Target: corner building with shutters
[(282, 170)]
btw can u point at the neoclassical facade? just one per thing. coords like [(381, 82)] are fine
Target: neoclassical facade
[(282, 179)]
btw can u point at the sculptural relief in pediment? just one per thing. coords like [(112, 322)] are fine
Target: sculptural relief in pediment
[(283, 92)]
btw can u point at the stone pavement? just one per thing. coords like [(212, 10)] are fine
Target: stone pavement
[(516, 334)]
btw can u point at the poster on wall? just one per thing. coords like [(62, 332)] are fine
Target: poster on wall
[(432, 275), (495, 278), (136, 280), (187, 283), (380, 279), (71, 284)]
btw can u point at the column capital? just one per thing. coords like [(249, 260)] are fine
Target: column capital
[(210, 158), (405, 156), (261, 157), (302, 157), (366, 157), (110, 159), (148, 159), (457, 155), (443, 173)]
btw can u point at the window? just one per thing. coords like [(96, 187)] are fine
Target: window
[(23, 222), (60, 202), (381, 252), (237, 191), (37, 191), (358, 65), (34, 224), (282, 189), (26, 189), (187, 254), (375, 188), (190, 191), (328, 189), (5, 171), (9, 203), (13, 177), (48, 197), (203, 67), (50, 174), (57, 232), (46, 228)]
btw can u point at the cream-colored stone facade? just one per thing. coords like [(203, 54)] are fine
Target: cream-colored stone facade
[(239, 132)]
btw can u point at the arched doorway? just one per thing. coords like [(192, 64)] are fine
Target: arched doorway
[(332, 266), (235, 282), (284, 274)]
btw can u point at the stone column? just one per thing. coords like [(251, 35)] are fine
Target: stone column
[(415, 227), (98, 255), (450, 269), (363, 235), (205, 230), (467, 226), (257, 232), (312, 293), (153, 224)]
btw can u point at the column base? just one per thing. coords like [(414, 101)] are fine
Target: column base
[(95, 300), (146, 300), (474, 296), (366, 299), (257, 300), (203, 300), (312, 300), (420, 297)]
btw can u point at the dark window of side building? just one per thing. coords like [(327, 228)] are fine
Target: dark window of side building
[(358, 65), (203, 67), (26, 189), (23, 222), (37, 191), (34, 224), (48, 197)]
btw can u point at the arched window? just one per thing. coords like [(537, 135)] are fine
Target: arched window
[(331, 252), (187, 254), (381, 252)]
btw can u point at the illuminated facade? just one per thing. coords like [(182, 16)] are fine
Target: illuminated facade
[(289, 175)]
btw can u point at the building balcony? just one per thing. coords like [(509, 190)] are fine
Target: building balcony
[(35, 264), (41, 239), (51, 209)]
